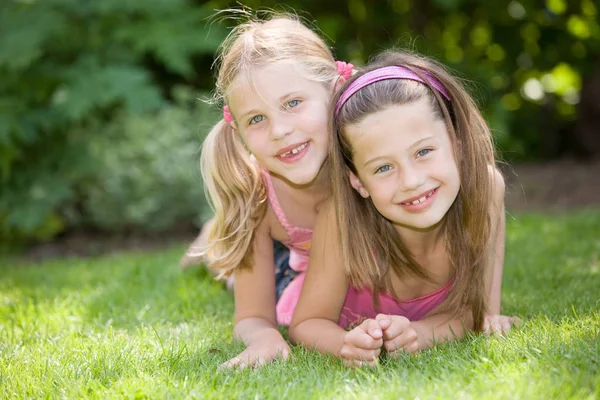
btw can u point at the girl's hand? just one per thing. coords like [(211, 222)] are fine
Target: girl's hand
[(362, 345), (499, 324), (261, 351), (398, 334)]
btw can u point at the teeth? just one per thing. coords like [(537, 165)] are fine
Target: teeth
[(420, 200), (294, 151)]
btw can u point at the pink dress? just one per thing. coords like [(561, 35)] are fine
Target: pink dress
[(358, 305), (299, 245)]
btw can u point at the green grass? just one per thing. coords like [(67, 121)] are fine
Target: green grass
[(135, 326)]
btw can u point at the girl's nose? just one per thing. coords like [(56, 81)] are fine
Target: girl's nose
[(412, 178), (280, 127)]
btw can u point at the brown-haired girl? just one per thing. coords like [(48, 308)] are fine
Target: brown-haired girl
[(410, 250)]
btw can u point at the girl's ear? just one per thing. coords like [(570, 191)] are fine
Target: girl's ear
[(339, 83), (357, 185)]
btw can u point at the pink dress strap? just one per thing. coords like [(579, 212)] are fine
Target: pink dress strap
[(290, 229), (299, 242)]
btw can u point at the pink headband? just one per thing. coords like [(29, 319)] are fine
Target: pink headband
[(391, 72), (343, 68)]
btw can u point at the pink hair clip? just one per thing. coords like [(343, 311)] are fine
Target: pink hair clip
[(344, 69), (227, 115)]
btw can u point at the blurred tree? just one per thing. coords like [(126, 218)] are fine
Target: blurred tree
[(526, 58), (75, 75), (66, 64)]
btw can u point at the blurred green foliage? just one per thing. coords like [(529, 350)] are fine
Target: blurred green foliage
[(147, 175), (525, 60), (79, 80), (99, 127)]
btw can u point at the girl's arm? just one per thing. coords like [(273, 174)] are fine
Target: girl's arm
[(494, 322), (494, 273), (314, 323), (255, 316), (324, 290)]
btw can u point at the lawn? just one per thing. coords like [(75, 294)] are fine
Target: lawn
[(135, 326)]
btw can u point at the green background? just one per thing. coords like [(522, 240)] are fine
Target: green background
[(102, 118)]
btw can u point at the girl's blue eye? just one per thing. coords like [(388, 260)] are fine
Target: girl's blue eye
[(383, 168), (292, 103), (256, 119), (423, 152)]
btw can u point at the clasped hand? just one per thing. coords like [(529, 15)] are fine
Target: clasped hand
[(363, 344)]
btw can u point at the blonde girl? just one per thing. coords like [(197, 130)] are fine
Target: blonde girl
[(262, 167), (410, 250)]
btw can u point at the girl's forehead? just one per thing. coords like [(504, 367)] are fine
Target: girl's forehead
[(271, 76), (268, 84), (396, 127)]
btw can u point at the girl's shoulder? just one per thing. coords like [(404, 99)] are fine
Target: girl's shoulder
[(327, 207), (497, 181), (295, 207), (326, 213), (498, 191), (273, 226)]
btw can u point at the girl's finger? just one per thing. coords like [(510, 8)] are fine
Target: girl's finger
[(366, 355), (384, 321), (360, 339), (373, 328), (235, 362), (356, 353), (486, 326), (406, 341), (506, 325), (259, 362), (364, 363), (397, 326), (285, 353), (376, 333)]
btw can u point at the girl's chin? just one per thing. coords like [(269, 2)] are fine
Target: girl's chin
[(304, 179), (301, 176)]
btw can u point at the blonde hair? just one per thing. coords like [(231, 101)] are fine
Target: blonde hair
[(232, 180), (466, 226)]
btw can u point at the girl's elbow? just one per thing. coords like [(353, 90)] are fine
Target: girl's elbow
[(300, 330), (295, 331)]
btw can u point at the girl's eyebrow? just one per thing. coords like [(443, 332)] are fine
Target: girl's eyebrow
[(280, 100), (415, 144), (286, 96), (253, 111), (372, 160)]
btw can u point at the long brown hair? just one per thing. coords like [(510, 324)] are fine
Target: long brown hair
[(232, 180), (466, 226)]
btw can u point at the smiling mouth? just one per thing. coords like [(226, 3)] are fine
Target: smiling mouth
[(420, 199), (293, 151)]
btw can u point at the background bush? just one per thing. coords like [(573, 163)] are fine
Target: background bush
[(86, 97), (99, 127), (146, 176)]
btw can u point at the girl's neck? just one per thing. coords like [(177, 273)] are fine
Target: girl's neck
[(422, 242), (317, 188)]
